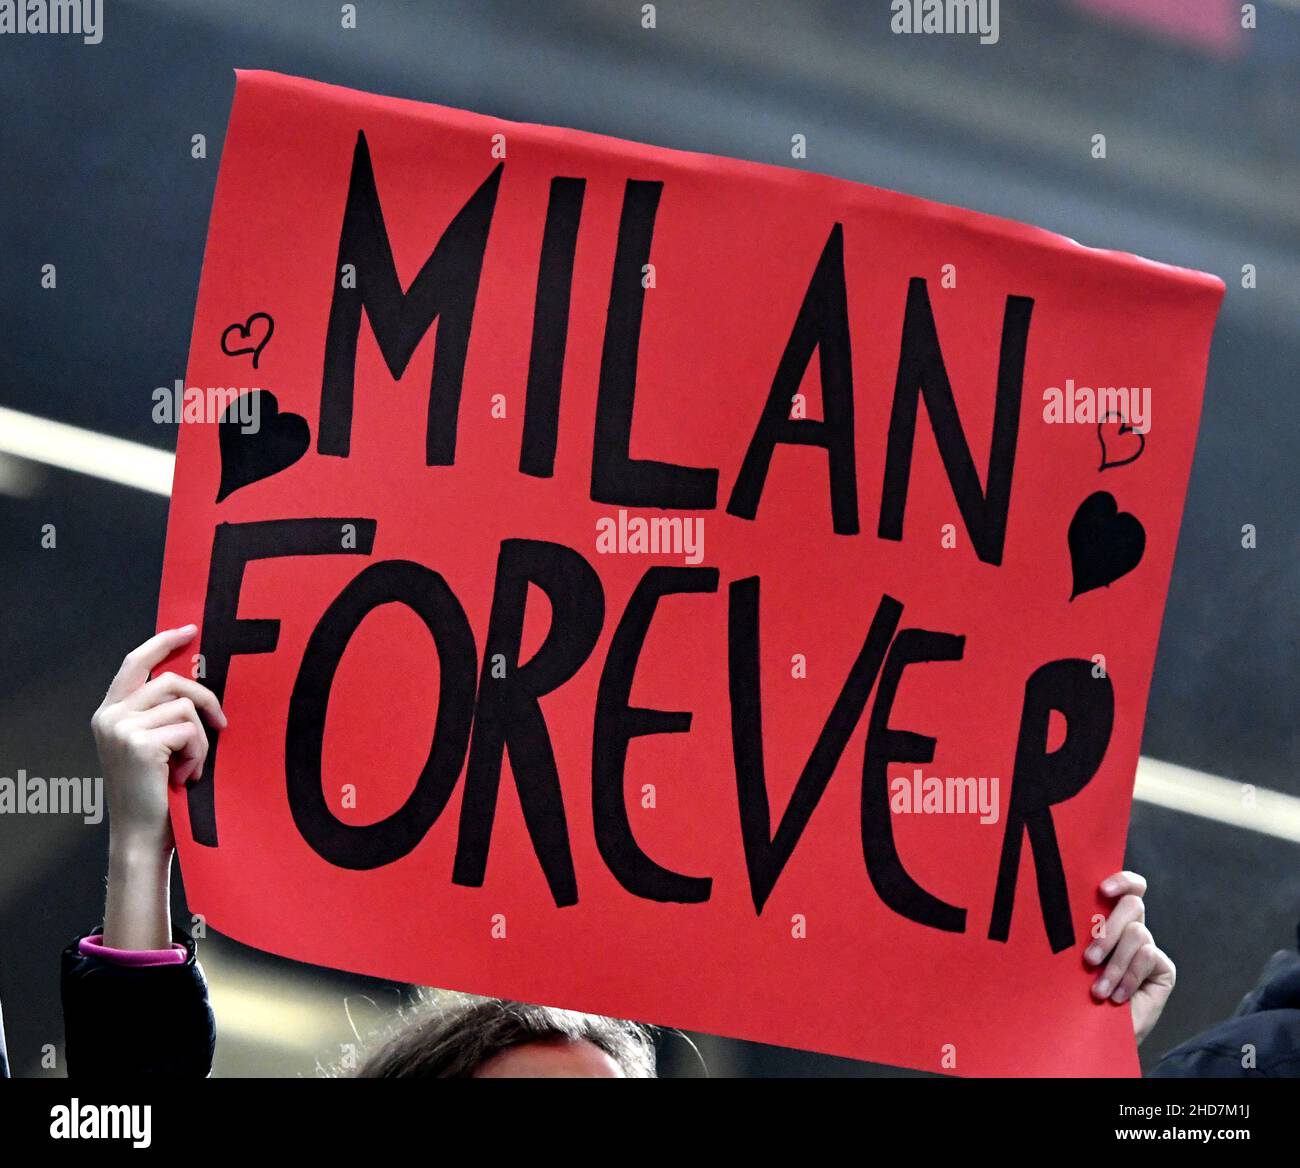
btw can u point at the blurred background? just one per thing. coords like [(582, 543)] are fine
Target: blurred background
[(1202, 120)]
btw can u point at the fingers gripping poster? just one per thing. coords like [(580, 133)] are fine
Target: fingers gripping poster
[(695, 591)]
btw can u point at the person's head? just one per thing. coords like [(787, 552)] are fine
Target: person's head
[(461, 1037)]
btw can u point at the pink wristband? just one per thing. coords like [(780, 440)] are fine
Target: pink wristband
[(93, 946)]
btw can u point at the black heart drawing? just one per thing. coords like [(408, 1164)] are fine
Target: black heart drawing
[(245, 332), (1108, 463), (1105, 543), (277, 441)]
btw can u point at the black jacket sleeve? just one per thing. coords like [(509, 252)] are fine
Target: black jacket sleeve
[(1261, 1039), (136, 1020)]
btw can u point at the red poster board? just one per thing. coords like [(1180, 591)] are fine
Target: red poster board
[(436, 665)]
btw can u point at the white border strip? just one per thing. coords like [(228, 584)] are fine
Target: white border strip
[(1178, 788), (130, 464)]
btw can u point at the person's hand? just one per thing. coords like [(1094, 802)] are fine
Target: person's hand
[(1132, 968), (145, 729), (148, 733)]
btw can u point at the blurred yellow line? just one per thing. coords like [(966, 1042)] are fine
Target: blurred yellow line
[(248, 1011), (277, 1009)]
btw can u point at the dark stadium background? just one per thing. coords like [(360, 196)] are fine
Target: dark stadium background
[(1203, 127)]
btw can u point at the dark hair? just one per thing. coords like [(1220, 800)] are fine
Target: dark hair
[(451, 1036)]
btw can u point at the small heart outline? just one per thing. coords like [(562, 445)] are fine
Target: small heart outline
[(245, 330), (1124, 428)]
